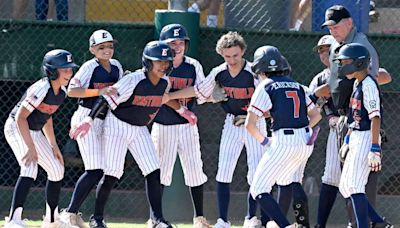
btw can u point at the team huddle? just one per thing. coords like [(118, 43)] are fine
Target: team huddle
[(115, 110)]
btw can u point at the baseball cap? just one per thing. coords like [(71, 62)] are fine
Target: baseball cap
[(100, 36), (335, 14), (326, 40)]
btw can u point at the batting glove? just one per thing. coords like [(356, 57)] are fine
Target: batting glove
[(344, 149), (239, 120), (374, 158), (188, 115), (81, 129), (218, 94)]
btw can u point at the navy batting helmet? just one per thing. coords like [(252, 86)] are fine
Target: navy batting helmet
[(356, 52), (55, 59), (173, 32), (267, 59), (156, 50)]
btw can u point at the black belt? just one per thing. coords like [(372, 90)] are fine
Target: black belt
[(291, 132)]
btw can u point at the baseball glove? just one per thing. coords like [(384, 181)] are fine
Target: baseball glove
[(218, 94), (239, 120), (344, 150)]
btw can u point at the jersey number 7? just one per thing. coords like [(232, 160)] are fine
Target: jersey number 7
[(296, 102)]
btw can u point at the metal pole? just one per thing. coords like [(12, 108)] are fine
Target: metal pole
[(178, 5)]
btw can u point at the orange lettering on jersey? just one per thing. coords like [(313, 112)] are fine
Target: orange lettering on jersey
[(147, 101), (46, 108), (101, 85), (180, 83), (239, 93), (355, 104)]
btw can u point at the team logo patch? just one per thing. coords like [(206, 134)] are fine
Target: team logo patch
[(176, 32), (372, 104), (164, 52), (272, 62), (69, 58), (104, 35)]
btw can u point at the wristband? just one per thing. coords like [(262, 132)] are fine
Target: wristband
[(376, 148), (347, 139), (265, 141)]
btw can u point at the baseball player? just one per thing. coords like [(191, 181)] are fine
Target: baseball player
[(23, 131), (293, 114), (236, 78), (332, 171), (140, 93), (364, 119), (169, 125), (93, 79)]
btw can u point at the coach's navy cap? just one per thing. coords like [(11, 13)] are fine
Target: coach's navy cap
[(335, 14)]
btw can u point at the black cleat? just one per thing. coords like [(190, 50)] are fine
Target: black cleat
[(96, 222)]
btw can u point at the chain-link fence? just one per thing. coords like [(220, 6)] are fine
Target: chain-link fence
[(24, 41)]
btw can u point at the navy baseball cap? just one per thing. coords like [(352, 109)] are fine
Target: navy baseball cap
[(335, 14)]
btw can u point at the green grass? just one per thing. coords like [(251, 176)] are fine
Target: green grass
[(113, 225)]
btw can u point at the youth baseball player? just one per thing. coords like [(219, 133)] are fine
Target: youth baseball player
[(332, 171), (23, 131), (93, 79), (169, 125), (291, 143), (236, 78), (140, 93), (363, 139)]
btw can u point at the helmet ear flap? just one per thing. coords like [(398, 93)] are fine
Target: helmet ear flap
[(147, 64), (49, 72)]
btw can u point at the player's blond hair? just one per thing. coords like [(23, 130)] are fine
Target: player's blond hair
[(231, 39)]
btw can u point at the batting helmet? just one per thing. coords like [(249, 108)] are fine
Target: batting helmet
[(355, 51), (55, 59), (267, 59), (173, 32), (156, 50)]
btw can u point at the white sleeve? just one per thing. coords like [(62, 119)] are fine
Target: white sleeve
[(125, 88), (119, 66), (199, 73), (82, 78), (314, 83), (205, 88), (35, 95), (371, 100), (260, 101)]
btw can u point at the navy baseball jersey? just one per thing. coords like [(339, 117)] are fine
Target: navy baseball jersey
[(138, 100), (41, 101), (286, 101), (365, 104), (189, 73), (92, 75), (238, 89)]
